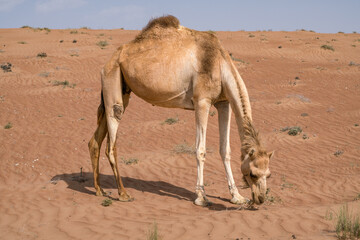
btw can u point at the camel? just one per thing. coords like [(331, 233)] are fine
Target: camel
[(172, 66)]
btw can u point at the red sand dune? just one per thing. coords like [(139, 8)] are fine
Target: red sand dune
[(291, 81)]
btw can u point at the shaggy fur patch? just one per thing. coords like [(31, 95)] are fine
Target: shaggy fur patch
[(164, 22)]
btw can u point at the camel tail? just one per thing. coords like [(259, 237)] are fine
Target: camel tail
[(101, 109)]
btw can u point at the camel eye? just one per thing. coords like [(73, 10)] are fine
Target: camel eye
[(269, 176), (252, 175)]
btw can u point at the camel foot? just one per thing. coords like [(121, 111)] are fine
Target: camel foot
[(202, 201), (124, 197), (101, 192), (239, 200)]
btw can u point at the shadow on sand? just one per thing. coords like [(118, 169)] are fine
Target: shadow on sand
[(84, 181)]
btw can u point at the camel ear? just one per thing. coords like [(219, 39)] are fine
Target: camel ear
[(271, 154)]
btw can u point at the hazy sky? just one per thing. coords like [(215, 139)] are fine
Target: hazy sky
[(327, 16)]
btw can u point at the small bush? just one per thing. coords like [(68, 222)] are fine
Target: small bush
[(347, 225), (8, 125), (185, 148), (106, 202), (171, 121), (153, 233), (22, 42), (74, 32), (293, 131), (130, 161), (327, 47), (65, 83), (6, 67), (102, 44), (42, 55), (338, 153)]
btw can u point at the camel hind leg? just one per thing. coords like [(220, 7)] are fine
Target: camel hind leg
[(95, 145), (115, 103)]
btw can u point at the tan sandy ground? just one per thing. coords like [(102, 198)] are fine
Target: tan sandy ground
[(291, 80)]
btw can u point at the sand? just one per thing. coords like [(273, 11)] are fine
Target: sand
[(46, 183)]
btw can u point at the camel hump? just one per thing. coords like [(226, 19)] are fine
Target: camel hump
[(168, 21)]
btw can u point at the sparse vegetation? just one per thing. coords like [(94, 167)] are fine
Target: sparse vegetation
[(22, 42), (106, 202), (6, 67), (74, 32), (171, 121), (347, 225), (327, 47), (338, 153), (44, 74), (237, 59), (293, 131), (8, 125), (212, 113), (37, 29), (74, 41), (65, 83), (269, 199), (130, 161), (251, 35), (185, 148), (153, 232), (42, 55), (102, 44)]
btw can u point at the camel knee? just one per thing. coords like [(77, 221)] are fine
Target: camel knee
[(200, 154), (118, 111)]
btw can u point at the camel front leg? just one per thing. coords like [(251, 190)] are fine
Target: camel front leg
[(224, 117), (202, 108)]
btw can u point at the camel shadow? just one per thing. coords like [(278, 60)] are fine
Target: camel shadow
[(84, 182)]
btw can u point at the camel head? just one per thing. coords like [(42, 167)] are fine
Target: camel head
[(255, 169)]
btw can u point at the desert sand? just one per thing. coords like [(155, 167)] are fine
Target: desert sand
[(46, 183)]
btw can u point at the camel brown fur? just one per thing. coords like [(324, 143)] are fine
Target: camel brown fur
[(171, 66)]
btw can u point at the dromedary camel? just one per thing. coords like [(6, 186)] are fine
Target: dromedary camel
[(171, 66)]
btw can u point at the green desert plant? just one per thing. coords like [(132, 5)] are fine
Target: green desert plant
[(171, 121), (293, 131), (42, 55), (185, 148), (102, 44), (130, 161), (8, 125), (347, 225), (327, 47), (65, 83), (106, 202), (153, 233)]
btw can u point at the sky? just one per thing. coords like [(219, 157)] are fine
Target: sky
[(324, 16)]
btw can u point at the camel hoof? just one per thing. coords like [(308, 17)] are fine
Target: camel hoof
[(238, 200), (101, 192), (124, 197), (201, 201)]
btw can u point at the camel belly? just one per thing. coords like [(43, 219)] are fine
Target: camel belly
[(160, 77)]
